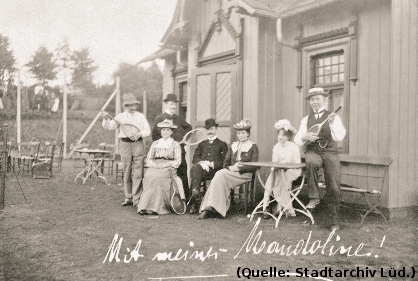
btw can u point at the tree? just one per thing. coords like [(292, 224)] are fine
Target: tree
[(7, 61), (83, 68), (136, 80), (63, 57), (43, 65)]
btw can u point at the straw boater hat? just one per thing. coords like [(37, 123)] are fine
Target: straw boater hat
[(244, 124), (284, 124), (171, 97), (129, 99), (316, 91), (209, 123), (167, 123)]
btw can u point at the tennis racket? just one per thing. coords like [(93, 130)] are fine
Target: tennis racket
[(130, 130), (177, 204), (317, 127), (194, 137)]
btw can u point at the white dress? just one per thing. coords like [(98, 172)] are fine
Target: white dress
[(287, 153)]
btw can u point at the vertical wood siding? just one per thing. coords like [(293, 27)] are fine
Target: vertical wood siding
[(403, 105)]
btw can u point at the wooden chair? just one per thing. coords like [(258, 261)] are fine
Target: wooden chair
[(245, 194), (60, 157), (44, 147), (119, 167), (28, 154), (7, 149), (109, 160), (44, 164)]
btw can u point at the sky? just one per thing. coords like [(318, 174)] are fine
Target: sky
[(115, 31)]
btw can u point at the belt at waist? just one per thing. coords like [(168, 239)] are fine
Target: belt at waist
[(129, 140), (164, 158)]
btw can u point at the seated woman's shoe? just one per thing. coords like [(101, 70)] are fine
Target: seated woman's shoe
[(203, 215), (148, 212), (142, 212)]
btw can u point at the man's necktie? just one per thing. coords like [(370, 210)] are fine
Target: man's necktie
[(317, 114)]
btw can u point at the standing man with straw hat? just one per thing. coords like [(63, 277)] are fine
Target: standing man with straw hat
[(132, 150), (170, 108)]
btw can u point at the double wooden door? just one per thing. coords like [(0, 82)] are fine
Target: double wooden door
[(214, 95)]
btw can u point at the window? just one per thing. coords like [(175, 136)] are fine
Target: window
[(183, 99), (328, 68)]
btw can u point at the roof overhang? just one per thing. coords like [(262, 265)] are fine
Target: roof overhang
[(257, 8), (159, 54), (301, 6)]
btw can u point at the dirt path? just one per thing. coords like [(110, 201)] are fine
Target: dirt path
[(65, 230)]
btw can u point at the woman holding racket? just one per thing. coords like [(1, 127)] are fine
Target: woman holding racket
[(217, 197), (134, 128), (163, 160)]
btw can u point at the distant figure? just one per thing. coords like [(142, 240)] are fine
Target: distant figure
[(55, 103), (39, 90)]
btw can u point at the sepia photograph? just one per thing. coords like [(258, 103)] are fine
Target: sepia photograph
[(208, 140)]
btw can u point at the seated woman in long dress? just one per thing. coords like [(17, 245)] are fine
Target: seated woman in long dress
[(217, 197), (285, 151), (164, 155)]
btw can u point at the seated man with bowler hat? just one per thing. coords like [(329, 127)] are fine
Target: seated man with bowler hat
[(322, 150), (132, 150), (208, 158), (170, 108)]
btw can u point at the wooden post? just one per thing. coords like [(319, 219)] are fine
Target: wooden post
[(117, 111), (95, 120), (3, 170), (144, 101), (18, 109), (64, 115)]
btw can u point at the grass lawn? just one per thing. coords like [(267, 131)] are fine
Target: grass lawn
[(64, 230)]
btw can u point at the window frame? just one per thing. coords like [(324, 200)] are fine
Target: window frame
[(311, 52)]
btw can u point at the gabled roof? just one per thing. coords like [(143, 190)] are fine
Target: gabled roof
[(177, 34)]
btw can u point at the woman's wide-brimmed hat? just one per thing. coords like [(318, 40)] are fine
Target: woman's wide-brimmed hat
[(316, 91), (171, 97), (129, 99), (167, 123), (285, 125), (209, 123), (244, 124)]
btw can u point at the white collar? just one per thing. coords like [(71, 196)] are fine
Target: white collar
[(245, 146), (319, 110), (162, 143), (212, 138), (168, 112)]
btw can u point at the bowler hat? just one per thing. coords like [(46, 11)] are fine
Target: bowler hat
[(316, 91), (129, 99), (209, 123), (171, 97), (167, 123)]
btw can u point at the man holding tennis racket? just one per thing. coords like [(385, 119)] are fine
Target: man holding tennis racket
[(322, 150), (170, 108), (208, 158), (134, 128)]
